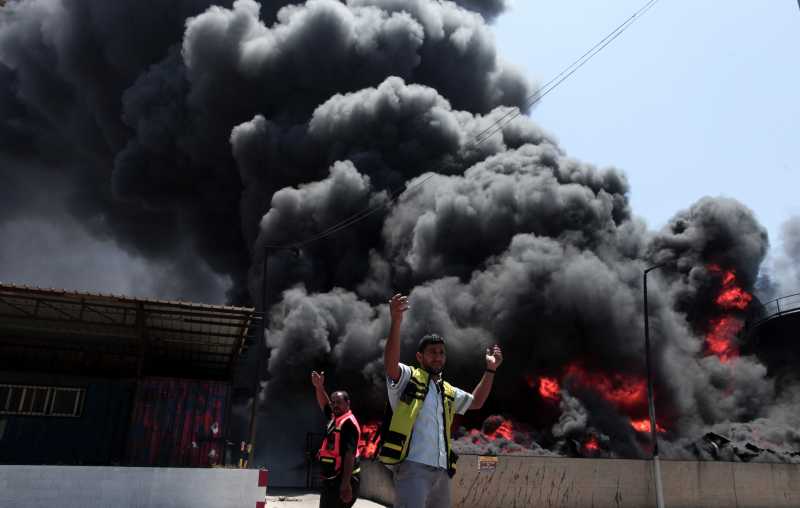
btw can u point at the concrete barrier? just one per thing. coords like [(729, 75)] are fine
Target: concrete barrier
[(376, 482), (128, 487), (577, 483)]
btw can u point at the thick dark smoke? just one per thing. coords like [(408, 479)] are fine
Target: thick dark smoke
[(195, 135)]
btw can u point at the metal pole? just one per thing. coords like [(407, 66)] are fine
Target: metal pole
[(650, 403), (260, 358)]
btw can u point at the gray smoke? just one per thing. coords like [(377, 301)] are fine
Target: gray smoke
[(780, 275), (200, 136)]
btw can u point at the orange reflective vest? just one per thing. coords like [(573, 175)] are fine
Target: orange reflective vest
[(330, 454)]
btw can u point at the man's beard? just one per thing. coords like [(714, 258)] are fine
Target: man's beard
[(433, 371)]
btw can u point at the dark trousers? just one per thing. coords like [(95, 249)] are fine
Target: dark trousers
[(329, 494)]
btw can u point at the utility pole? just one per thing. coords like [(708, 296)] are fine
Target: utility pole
[(260, 350), (650, 402), (260, 344)]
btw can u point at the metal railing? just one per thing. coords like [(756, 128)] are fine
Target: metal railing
[(777, 307)]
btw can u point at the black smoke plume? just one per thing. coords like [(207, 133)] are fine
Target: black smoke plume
[(197, 135)]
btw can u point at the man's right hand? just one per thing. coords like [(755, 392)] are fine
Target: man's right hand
[(318, 380), (398, 304)]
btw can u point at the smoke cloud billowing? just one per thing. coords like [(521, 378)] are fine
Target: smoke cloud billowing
[(781, 275), (195, 135)]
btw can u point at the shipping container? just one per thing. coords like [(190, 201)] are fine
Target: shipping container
[(178, 422), (73, 421)]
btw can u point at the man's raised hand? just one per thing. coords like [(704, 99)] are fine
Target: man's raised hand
[(494, 357), (398, 304), (318, 380)]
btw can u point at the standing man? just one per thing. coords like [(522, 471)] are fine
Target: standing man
[(417, 440), (339, 454)]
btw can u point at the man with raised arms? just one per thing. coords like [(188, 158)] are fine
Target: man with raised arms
[(415, 438)]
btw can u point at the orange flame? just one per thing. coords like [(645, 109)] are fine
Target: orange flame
[(644, 426), (723, 331), (719, 339), (734, 298), (369, 439), (619, 389), (731, 297), (504, 430), (591, 444), (549, 388)]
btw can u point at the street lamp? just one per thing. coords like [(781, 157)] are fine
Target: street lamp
[(650, 403)]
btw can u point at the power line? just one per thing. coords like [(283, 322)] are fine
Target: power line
[(568, 71), (486, 133)]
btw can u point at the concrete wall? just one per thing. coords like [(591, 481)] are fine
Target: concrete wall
[(127, 487), (376, 482), (562, 482)]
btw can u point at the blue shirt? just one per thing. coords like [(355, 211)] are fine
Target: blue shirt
[(427, 443)]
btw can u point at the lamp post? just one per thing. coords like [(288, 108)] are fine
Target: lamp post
[(650, 403)]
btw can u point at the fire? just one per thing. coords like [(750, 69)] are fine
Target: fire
[(734, 298), (549, 388), (504, 430), (731, 297), (591, 445), (644, 426), (728, 276), (720, 339), (369, 439), (619, 389)]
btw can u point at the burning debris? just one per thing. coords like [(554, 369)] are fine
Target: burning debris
[(713, 446), (231, 127), (498, 436)]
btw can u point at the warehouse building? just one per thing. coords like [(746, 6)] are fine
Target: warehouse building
[(97, 379)]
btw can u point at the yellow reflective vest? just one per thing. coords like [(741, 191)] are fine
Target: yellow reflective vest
[(398, 425)]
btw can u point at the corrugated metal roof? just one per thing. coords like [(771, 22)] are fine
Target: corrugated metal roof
[(159, 332), (86, 294)]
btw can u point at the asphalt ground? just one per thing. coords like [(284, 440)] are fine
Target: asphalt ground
[(296, 498)]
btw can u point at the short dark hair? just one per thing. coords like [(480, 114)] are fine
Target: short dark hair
[(343, 394), (429, 340)]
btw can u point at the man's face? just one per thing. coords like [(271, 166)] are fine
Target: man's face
[(433, 358), (339, 405)]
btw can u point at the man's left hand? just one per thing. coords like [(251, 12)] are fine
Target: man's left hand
[(494, 357), (346, 492)]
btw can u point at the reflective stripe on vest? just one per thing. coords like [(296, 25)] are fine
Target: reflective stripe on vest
[(330, 455), (396, 439)]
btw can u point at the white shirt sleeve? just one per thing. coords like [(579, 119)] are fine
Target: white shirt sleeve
[(395, 389), (463, 400)]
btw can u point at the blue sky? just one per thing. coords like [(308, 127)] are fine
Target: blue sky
[(694, 99)]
